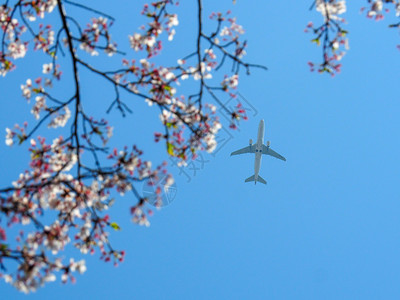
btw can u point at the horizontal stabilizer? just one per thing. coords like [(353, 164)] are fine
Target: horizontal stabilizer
[(259, 179), (250, 179)]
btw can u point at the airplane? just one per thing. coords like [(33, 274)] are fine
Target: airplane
[(258, 148)]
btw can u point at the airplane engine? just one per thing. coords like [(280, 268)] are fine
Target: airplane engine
[(268, 143), (251, 142)]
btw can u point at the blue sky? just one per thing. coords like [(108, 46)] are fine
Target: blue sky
[(326, 226)]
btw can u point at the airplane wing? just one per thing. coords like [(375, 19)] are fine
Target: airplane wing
[(248, 149), (269, 151)]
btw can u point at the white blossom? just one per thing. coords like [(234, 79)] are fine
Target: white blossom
[(9, 137), (17, 49), (171, 35), (231, 82), (110, 50), (150, 41), (40, 105), (47, 68), (172, 20), (145, 64), (376, 8), (233, 29), (331, 8), (149, 102), (136, 41), (79, 266), (49, 277), (60, 119), (89, 49), (26, 89), (8, 278)]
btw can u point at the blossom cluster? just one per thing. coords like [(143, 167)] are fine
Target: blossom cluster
[(333, 46), (333, 37), (331, 9), (17, 134), (79, 203), (38, 88), (230, 33), (13, 45), (375, 9), (90, 38), (160, 20), (38, 9), (44, 39), (188, 127), (204, 126), (62, 199), (234, 30)]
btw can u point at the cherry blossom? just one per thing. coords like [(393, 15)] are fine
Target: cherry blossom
[(9, 137), (331, 34), (230, 82), (40, 105), (61, 200), (44, 38), (60, 119), (233, 30), (376, 10), (333, 46), (331, 9), (92, 35), (17, 49), (47, 68)]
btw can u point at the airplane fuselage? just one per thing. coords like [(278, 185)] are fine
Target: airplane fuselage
[(258, 150)]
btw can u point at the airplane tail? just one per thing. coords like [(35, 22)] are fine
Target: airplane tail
[(259, 179)]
